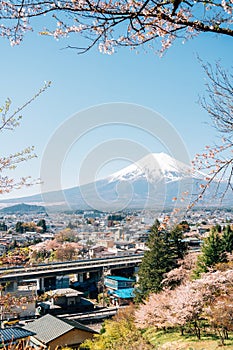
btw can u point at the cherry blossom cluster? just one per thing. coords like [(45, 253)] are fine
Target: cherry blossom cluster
[(109, 24), (217, 162), (187, 303)]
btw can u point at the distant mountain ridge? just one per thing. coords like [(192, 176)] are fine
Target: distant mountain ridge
[(23, 209), (151, 182)]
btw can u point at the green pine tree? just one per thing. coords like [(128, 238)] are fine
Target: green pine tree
[(164, 250), (212, 253), (218, 228), (180, 247), (19, 227), (42, 223), (227, 239)]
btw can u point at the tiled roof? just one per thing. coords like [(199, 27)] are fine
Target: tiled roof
[(14, 333), (78, 325), (48, 328)]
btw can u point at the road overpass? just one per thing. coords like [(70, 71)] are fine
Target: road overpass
[(17, 274)]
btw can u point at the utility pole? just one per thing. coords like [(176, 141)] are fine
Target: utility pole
[(1, 306)]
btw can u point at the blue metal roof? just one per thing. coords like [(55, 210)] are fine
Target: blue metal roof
[(126, 293), (13, 333), (119, 278)]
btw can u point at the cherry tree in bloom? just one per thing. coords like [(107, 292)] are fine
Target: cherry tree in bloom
[(172, 308), (10, 302), (220, 315), (182, 273), (111, 23), (156, 310), (187, 304)]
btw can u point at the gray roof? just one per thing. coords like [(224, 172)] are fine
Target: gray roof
[(48, 328), (13, 333), (68, 292), (80, 326)]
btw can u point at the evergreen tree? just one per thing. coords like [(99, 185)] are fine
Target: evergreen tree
[(164, 250), (19, 227), (227, 239), (42, 224), (180, 247), (218, 228), (3, 226), (212, 253)]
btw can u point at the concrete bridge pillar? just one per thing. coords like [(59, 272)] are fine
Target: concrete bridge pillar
[(38, 283), (41, 283), (11, 286), (80, 277), (94, 276), (75, 277)]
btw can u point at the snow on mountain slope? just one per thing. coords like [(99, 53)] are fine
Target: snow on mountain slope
[(155, 167), (152, 182)]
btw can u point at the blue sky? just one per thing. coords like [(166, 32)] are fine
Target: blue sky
[(169, 85)]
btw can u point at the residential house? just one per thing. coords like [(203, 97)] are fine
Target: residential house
[(13, 336), (65, 297), (3, 247), (52, 333), (26, 307), (106, 242), (96, 250), (204, 230), (117, 282), (122, 296), (120, 289), (124, 245), (63, 300)]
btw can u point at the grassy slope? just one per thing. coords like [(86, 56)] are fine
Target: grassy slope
[(174, 341)]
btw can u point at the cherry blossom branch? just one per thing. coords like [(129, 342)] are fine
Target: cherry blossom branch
[(116, 23), (10, 122), (217, 160)]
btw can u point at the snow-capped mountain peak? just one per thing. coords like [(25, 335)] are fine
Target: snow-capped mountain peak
[(154, 167)]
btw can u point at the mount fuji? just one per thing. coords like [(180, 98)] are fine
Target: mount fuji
[(154, 167), (152, 182)]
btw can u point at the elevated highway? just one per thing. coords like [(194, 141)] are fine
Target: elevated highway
[(17, 274)]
